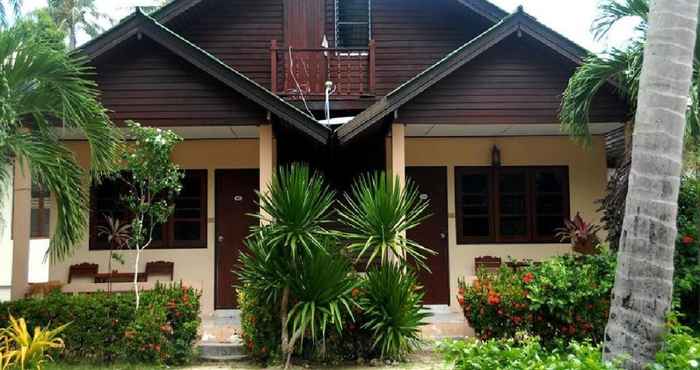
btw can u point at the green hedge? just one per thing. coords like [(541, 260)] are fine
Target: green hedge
[(106, 328)]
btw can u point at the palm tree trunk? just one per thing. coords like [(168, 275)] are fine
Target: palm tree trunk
[(73, 37), (644, 281)]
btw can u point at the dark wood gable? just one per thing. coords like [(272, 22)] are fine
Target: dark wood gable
[(142, 81), (516, 81), (412, 35)]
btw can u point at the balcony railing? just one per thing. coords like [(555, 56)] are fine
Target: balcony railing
[(298, 73)]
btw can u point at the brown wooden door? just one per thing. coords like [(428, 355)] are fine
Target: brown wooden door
[(304, 28), (432, 233), (235, 201)]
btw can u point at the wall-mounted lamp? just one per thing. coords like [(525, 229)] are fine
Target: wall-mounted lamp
[(496, 156)]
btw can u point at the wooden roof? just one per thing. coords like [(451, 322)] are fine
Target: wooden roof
[(518, 22), (139, 24)]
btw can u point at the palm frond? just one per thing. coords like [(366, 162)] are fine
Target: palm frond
[(43, 87), (54, 166), (621, 66), (610, 12), (16, 6)]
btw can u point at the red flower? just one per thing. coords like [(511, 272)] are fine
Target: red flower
[(460, 299), (528, 278), (494, 298), (687, 240), (517, 320)]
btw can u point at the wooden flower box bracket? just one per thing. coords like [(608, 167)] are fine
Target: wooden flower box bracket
[(153, 269)]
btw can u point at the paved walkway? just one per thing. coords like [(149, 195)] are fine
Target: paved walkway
[(422, 361)]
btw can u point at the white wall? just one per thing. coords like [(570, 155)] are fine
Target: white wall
[(38, 264), (5, 241)]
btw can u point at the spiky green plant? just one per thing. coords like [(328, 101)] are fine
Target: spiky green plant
[(43, 88), (377, 213), (393, 310), (20, 349), (296, 209), (323, 289)]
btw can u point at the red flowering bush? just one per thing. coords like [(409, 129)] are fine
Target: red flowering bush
[(105, 327), (562, 298)]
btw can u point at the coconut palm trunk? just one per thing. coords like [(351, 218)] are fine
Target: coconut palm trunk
[(644, 282)]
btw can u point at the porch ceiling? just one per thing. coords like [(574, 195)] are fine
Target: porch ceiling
[(446, 130), (188, 132)]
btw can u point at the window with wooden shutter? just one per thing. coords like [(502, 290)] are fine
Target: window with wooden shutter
[(510, 204), (186, 227)]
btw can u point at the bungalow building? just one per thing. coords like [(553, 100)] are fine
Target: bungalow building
[(457, 95)]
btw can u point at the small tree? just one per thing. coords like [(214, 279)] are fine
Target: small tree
[(153, 181)]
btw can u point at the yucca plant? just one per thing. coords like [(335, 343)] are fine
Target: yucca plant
[(296, 209), (393, 312), (323, 289), (22, 350), (378, 212)]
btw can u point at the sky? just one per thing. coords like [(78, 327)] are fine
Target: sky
[(572, 18)]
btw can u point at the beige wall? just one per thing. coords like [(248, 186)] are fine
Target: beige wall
[(587, 169), (193, 266), (587, 180)]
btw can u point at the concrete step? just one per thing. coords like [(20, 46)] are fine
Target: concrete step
[(215, 351), (445, 322), (221, 327)]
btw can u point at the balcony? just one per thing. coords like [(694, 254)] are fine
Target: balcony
[(302, 73)]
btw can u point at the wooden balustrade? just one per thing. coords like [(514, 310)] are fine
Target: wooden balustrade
[(304, 72)]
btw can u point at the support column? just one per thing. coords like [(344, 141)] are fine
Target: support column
[(398, 152), (21, 219), (267, 156)]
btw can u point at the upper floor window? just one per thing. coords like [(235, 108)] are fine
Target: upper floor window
[(41, 211), (511, 204), (353, 23), (186, 227)]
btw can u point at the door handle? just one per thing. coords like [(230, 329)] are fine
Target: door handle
[(443, 236), (220, 239)]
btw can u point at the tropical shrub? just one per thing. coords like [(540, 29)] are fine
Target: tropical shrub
[(105, 328), (260, 325), (21, 349), (686, 278), (563, 298), (681, 350), (295, 264), (392, 309), (526, 353), (297, 279)]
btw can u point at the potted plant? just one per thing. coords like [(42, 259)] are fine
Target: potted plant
[(582, 235)]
